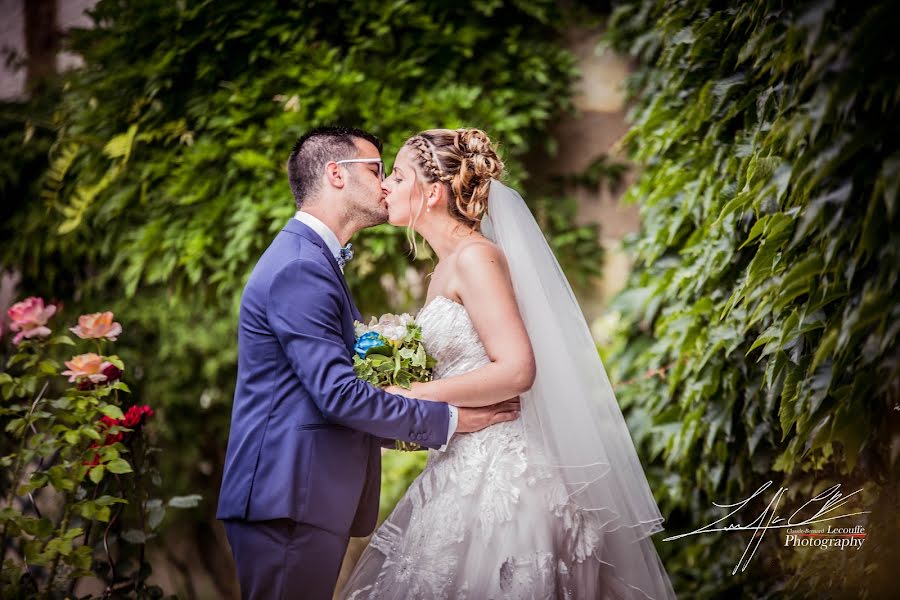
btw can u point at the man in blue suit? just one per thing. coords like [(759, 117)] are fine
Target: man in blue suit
[(303, 466)]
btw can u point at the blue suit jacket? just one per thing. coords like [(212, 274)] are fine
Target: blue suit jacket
[(306, 433)]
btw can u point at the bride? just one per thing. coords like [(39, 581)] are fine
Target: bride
[(554, 504)]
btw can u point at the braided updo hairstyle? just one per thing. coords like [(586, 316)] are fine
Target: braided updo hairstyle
[(465, 160)]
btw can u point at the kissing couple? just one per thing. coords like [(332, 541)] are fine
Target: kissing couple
[(533, 487)]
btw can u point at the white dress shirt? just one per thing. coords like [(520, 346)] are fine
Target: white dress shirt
[(334, 246), (327, 235)]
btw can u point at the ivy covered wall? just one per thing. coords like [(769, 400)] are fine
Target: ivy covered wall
[(761, 342)]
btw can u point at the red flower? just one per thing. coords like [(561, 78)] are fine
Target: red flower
[(136, 415), (108, 423), (112, 372), (134, 418)]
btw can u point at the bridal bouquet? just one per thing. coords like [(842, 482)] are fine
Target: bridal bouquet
[(389, 351)]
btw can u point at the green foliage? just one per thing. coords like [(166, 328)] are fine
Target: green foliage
[(766, 293), (78, 474), (397, 470), (165, 179)]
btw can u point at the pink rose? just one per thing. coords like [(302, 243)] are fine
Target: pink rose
[(88, 366), (29, 317), (97, 326)]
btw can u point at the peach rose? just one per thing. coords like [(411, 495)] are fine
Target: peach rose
[(97, 326), (29, 317), (88, 366)]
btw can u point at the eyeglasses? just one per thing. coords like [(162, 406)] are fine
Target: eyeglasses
[(373, 161)]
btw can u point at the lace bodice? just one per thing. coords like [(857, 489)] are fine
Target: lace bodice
[(450, 337)]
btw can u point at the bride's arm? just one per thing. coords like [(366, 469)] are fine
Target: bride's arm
[(483, 283)]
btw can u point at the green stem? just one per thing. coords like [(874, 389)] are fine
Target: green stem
[(140, 497), (86, 539), (18, 465), (64, 524)]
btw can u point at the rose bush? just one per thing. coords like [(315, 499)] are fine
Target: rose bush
[(78, 476)]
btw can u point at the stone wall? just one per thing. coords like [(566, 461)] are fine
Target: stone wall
[(595, 130)]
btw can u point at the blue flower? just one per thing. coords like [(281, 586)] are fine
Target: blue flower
[(367, 341)]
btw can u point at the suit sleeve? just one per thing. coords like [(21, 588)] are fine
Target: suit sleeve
[(304, 311)]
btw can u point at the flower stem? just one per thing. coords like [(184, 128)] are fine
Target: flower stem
[(64, 524)]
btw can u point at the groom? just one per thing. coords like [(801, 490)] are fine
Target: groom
[(303, 465)]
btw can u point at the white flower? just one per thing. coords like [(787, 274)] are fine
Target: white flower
[(360, 328), (392, 327)]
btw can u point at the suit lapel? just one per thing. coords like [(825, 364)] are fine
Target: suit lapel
[(295, 226)]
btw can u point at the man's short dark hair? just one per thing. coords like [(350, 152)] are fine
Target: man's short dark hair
[(313, 151)]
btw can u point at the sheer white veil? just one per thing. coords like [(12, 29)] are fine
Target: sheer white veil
[(572, 421)]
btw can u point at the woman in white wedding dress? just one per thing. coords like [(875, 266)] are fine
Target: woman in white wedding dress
[(554, 504)]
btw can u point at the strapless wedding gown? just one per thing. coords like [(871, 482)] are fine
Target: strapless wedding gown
[(481, 523)]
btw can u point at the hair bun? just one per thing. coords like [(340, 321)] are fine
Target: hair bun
[(479, 152)]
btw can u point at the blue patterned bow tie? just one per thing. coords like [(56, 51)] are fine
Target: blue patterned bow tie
[(344, 255)]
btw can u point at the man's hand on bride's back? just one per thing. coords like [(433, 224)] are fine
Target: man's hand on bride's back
[(476, 419)]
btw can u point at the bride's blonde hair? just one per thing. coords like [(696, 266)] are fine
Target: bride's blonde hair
[(465, 161)]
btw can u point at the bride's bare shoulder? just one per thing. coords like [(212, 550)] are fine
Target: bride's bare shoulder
[(480, 260), (478, 252)]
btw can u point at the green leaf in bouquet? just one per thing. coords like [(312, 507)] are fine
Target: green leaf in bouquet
[(398, 364), (404, 380), (420, 358), (383, 350)]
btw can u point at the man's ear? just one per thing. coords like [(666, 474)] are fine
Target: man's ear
[(333, 175)]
